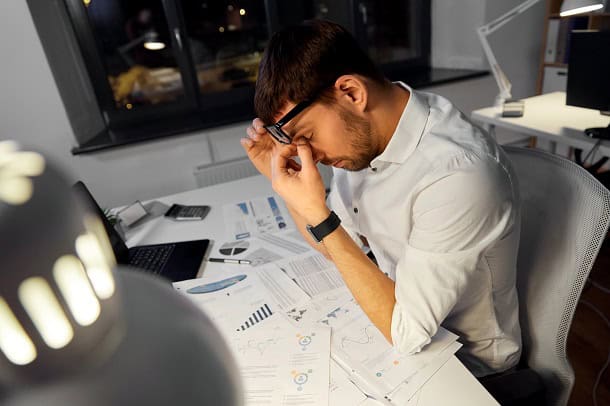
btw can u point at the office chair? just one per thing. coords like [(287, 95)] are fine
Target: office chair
[(565, 214)]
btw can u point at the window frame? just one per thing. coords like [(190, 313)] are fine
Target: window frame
[(204, 110)]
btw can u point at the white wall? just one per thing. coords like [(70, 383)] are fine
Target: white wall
[(517, 45), (31, 110), (454, 39)]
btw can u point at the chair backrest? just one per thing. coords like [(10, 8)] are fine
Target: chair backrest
[(565, 215)]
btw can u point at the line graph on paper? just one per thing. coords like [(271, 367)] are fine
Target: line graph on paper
[(366, 336), (259, 347)]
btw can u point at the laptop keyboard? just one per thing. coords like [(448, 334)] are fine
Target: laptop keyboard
[(151, 259)]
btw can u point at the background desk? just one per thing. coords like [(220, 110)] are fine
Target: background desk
[(453, 384), (549, 118)]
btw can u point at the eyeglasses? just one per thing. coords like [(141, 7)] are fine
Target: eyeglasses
[(275, 130)]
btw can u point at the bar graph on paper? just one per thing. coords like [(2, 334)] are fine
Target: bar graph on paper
[(259, 315)]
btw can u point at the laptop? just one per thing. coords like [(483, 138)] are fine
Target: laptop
[(174, 261)]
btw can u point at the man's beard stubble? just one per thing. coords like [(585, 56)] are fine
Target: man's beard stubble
[(361, 148)]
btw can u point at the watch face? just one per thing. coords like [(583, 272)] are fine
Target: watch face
[(309, 229)]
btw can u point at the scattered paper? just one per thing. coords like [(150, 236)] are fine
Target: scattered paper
[(247, 303), (342, 391), (256, 216), (312, 272), (284, 365), (361, 349)]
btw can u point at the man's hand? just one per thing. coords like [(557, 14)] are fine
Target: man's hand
[(301, 188), (259, 146)]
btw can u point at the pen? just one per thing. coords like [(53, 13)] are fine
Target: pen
[(230, 261)]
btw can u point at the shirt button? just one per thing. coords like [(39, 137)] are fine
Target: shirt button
[(355, 210)]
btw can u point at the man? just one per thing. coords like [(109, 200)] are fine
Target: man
[(432, 195)]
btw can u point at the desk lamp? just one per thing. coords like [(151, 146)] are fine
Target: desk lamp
[(568, 8), (573, 7), (151, 41), (75, 329)]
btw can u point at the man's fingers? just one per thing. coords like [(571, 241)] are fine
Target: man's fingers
[(257, 123), (247, 143), (281, 160), (292, 164), (258, 126), (253, 134), (305, 155)]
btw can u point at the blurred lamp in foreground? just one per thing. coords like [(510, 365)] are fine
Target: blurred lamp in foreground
[(73, 331)]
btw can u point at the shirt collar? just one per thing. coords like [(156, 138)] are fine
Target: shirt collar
[(409, 130)]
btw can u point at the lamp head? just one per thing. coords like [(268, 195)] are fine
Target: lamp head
[(151, 41), (75, 332), (573, 7), (58, 307)]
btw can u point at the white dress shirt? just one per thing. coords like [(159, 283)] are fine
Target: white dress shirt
[(439, 208)]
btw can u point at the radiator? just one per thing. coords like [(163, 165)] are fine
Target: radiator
[(211, 174)]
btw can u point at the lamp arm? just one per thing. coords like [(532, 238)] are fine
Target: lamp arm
[(497, 23), (123, 49), (484, 31), (501, 80)]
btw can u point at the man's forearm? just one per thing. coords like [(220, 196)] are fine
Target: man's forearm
[(372, 289)]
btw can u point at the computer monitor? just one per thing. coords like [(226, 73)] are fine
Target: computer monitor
[(589, 70), (589, 75)]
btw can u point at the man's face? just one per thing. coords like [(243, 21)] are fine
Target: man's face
[(337, 136)]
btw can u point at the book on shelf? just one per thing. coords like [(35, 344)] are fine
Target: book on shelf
[(551, 41), (558, 38)]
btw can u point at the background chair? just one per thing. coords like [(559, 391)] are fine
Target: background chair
[(565, 216)]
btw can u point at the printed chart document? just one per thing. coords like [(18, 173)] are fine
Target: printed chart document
[(362, 350), (256, 216), (239, 307), (262, 249), (312, 272), (284, 365)]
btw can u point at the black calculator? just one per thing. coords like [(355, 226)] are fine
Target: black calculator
[(182, 212)]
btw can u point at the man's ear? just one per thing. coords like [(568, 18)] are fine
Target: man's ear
[(352, 92)]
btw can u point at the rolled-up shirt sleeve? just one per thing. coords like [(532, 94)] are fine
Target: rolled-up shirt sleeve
[(455, 220)]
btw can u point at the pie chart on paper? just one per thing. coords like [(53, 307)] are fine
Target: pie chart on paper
[(234, 248)]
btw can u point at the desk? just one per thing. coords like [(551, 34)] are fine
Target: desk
[(548, 117), (452, 384)]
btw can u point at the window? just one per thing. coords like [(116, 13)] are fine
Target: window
[(162, 67), (135, 47)]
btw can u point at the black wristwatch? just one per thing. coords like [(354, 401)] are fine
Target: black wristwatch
[(324, 228)]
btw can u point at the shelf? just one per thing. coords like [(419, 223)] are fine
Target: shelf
[(556, 64)]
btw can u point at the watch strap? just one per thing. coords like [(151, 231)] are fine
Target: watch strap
[(324, 228)]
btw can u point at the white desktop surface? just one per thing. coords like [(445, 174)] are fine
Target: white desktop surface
[(453, 384), (548, 117)]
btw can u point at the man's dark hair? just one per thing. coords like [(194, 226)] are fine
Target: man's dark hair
[(302, 61)]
